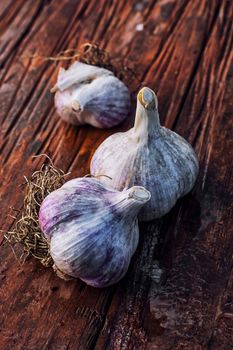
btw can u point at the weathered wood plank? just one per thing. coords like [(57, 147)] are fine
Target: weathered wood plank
[(119, 330), (222, 332), (71, 315), (184, 312), (17, 24)]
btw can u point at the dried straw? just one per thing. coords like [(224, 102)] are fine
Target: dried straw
[(94, 55), (26, 230)]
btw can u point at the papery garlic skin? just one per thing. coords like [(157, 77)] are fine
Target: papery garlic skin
[(93, 230), (148, 155), (92, 95)]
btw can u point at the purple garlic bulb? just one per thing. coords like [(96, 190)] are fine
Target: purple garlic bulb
[(92, 230), (148, 155), (92, 95)]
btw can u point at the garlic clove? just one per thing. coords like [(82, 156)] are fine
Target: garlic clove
[(104, 100), (93, 230), (148, 155)]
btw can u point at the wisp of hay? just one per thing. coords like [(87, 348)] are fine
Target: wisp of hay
[(26, 230), (94, 55)]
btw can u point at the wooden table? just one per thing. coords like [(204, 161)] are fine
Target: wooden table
[(177, 293)]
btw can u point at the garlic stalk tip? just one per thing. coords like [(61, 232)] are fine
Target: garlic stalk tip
[(140, 194), (148, 98)]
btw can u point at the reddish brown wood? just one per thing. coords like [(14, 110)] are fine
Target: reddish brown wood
[(185, 54)]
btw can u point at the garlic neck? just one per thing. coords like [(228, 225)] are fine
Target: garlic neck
[(147, 117), (132, 200), (139, 194)]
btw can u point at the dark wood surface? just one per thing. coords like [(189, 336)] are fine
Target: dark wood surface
[(178, 292)]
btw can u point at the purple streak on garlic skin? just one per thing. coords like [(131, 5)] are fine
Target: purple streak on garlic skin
[(93, 230), (94, 97)]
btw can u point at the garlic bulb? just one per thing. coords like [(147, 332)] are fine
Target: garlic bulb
[(92, 95), (93, 230), (148, 155)]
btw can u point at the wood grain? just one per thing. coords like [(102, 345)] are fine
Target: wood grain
[(178, 291)]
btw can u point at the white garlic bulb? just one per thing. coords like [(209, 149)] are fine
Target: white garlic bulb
[(148, 155), (92, 95), (92, 230)]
